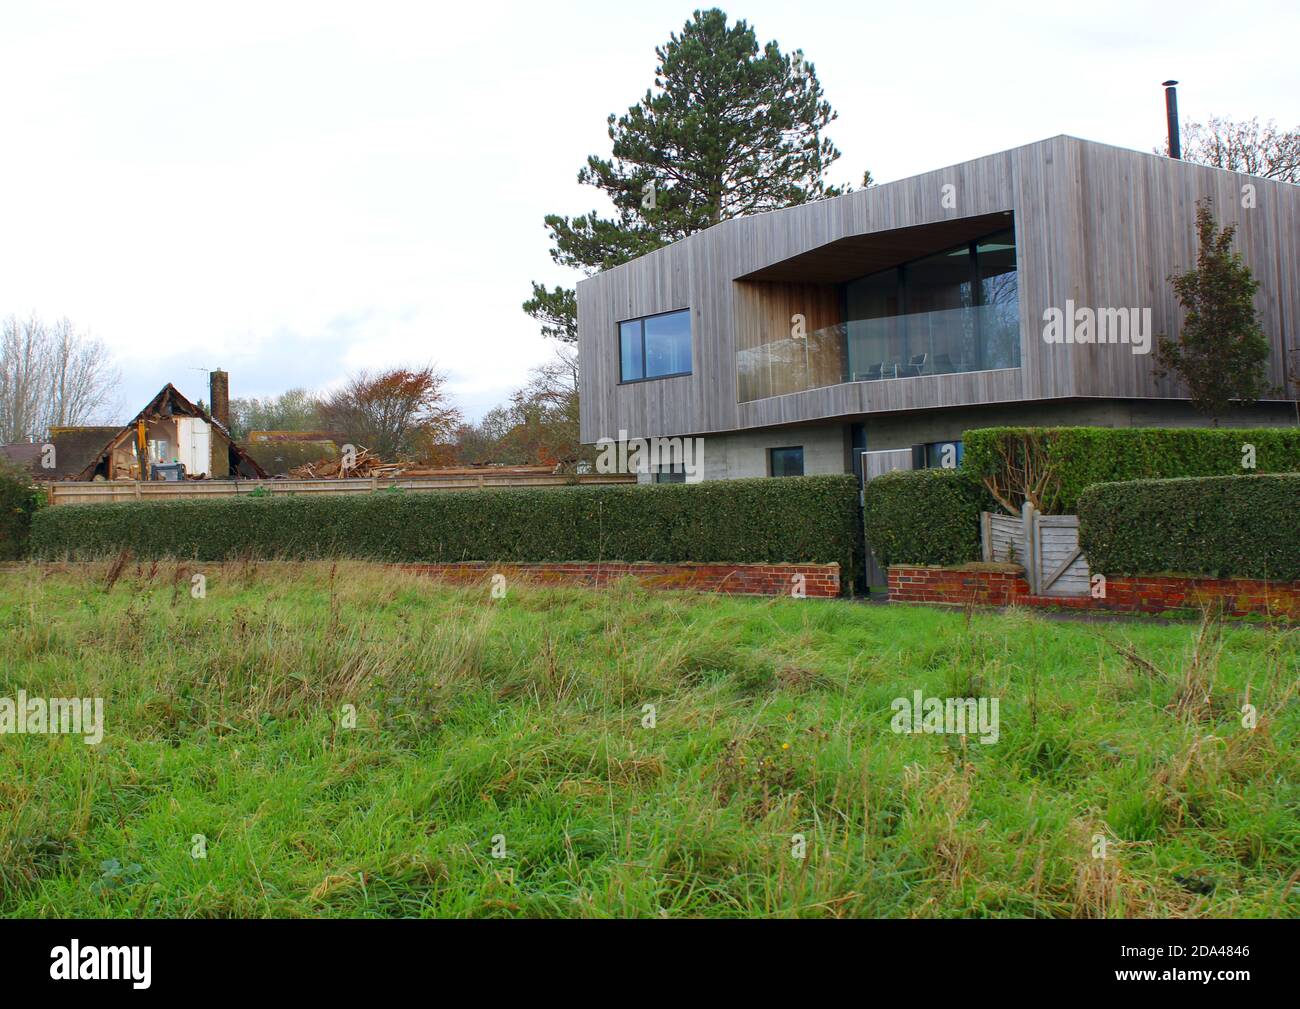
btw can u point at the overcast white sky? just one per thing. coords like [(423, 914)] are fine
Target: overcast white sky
[(296, 191)]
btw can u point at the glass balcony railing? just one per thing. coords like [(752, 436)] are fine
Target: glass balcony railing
[(871, 350)]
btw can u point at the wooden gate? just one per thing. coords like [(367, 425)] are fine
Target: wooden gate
[(1046, 546), (1060, 569), (876, 464)]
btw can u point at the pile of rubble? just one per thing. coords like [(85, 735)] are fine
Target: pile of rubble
[(363, 463)]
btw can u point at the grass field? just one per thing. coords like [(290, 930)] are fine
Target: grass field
[(522, 719)]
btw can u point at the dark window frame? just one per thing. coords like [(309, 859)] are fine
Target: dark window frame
[(674, 472), (618, 335), (922, 451), (785, 448)]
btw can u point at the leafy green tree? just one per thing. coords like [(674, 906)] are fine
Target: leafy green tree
[(485, 443), (729, 128), (20, 498), (1221, 353), (293, 410)]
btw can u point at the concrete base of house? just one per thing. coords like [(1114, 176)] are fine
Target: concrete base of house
[(828, 447)]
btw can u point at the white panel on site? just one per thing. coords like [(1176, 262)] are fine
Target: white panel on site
[(194, 438)]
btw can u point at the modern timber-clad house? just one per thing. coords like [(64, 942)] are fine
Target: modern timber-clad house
[(898, 316)]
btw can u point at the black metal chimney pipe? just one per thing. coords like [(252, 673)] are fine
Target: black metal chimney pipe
[(1171, 115)]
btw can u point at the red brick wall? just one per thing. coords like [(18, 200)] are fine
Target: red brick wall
[(955, 585), (820, 580), (1004, 585)]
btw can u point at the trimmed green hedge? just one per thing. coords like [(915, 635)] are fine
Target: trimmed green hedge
[(924, 516), (1084, 456), (803, 519), (20, 499), (1243, 526)]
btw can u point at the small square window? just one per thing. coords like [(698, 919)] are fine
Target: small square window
[(938, 455), (655, 346), (786, 461)]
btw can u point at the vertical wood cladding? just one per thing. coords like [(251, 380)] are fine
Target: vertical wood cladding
[(1098, 226)]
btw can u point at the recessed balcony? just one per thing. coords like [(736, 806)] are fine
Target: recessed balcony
[(953, 311), (945, 342)]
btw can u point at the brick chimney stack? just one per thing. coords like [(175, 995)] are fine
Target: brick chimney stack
[(219, 396)]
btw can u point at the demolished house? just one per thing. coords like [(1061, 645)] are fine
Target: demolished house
[(171, 438), (63, 455), (282, 452)]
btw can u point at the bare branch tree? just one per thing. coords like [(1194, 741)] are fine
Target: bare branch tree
[(539, 425), (51, 375), (1243, 146), (82, 378), (1024, 472), (22, 363)]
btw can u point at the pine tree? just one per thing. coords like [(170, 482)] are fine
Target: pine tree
[(729, 128)]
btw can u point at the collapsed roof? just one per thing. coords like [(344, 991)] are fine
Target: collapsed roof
[(171, 403)]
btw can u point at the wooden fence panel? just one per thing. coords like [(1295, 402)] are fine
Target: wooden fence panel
[(110, 491), (1003, 538), (1046, 546)]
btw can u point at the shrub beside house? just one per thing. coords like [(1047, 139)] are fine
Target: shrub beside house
[(20, 499)]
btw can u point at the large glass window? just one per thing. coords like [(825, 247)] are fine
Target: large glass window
[(999, 298), (954, 311), (656, 346), (939, 283)]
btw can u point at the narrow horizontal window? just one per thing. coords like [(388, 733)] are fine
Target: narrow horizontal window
[(676, 473)]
